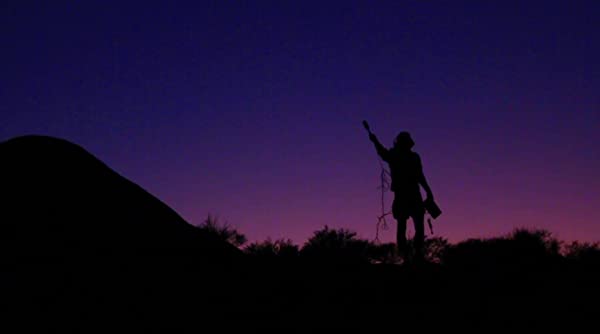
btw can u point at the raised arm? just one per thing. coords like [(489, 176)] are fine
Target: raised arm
[(381, 150)]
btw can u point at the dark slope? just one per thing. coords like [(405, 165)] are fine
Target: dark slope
[(55, 197)]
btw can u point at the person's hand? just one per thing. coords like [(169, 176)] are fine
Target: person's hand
[(372, 137)]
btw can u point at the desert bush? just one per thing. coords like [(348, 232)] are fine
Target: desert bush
[(223, 231), (583, 252), (539, 241), (435, 249), (340, 245), (521, 249), (281, 248)]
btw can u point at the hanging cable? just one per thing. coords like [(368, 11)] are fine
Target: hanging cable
[(384, 186)]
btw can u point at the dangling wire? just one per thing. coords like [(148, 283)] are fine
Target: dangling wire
[(384, 186)]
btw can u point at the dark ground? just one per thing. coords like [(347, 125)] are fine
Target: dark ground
[(186, 294)]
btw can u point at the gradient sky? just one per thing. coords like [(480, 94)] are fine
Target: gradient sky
[(252, 110)]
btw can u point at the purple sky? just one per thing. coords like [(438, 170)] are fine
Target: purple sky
[(251, 110)]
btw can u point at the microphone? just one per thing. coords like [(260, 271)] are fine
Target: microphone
[(366, 125)]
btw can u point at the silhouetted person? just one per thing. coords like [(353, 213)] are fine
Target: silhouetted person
[(407, 175)]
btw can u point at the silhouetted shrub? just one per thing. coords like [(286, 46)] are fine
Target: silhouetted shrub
[(521, 249), (435, 249), (381, 253), (281, 248), (537, 241), (583, 252), (338, 245), (223, 231)]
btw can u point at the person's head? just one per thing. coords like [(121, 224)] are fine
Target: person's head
[(403, 141)]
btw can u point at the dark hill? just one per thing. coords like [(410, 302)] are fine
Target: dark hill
[(56, 198)]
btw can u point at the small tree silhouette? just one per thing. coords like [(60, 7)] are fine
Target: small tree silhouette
[(338, 245), (435, 249), (381, 252), (223, 231), (585, 253), (535, 240), (281, 248), (521, 249)]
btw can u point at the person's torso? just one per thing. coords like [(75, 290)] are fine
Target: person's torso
[(405, 170)]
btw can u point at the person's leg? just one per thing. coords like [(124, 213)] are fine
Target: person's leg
[(419, 239), (401, 237), (401, 216)]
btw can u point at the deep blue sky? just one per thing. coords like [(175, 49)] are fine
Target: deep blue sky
[(252, 110)]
